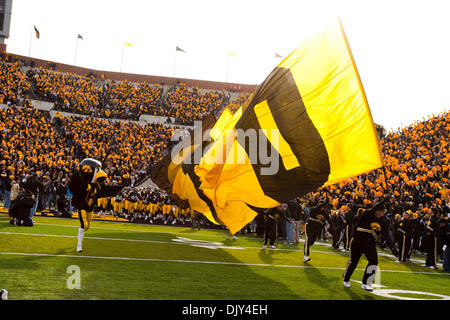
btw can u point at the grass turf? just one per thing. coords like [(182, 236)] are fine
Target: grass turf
[(130, 261)]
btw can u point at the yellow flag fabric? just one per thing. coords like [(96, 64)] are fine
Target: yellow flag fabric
[(186, 183), (128, 44), (314, 115), (327, 78), (175, 173), (220, 125), (185, 189), (233, 54)]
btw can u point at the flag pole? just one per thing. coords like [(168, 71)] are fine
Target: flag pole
[(391, 215), (76, 50), (387, 189), (31, 38), (174, 62), (228, 67), (121, 60)]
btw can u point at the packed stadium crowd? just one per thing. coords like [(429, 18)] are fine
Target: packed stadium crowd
[(13, 83), (68, 91), (190, 104), (122, 99), (234, 105), (38, 154), (32, 144), (125, 148), (126, 100)]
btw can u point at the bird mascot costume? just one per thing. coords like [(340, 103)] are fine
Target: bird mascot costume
[(87, 184)]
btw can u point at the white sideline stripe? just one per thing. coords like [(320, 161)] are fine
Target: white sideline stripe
[(63, 236), (167, 260), (133, 230), (185, 235), (202, 262)]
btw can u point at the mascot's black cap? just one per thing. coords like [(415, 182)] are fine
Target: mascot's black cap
[(380, 205)]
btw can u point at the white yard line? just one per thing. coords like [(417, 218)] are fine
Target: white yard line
[(203, 262), (176, 242), (148, 241), (219, 236), (133, 230), (96, 238), (202, 235)]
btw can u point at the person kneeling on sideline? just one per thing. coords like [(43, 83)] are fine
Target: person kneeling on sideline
[(368, 225), (20, 209)]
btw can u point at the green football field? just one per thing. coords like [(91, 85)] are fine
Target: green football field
[(131, 261)]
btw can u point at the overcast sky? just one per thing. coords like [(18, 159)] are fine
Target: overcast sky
[(401, 48)]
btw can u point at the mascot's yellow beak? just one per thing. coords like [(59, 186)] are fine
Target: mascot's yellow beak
[(99, 176)]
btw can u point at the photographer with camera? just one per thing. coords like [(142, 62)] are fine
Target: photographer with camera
[(20, 209)]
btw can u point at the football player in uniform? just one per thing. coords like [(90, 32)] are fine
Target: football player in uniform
[(185, 213), (88, 184), (146, 209), (154, 205), (102, 203), (132, 204), (118, 204)]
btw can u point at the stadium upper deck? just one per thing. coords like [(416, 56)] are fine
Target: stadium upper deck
[(94, 95)]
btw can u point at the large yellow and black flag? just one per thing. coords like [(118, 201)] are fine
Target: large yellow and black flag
[(175, 172), (316, 123)]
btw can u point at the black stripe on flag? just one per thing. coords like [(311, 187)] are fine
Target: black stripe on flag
[(290, 115)]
